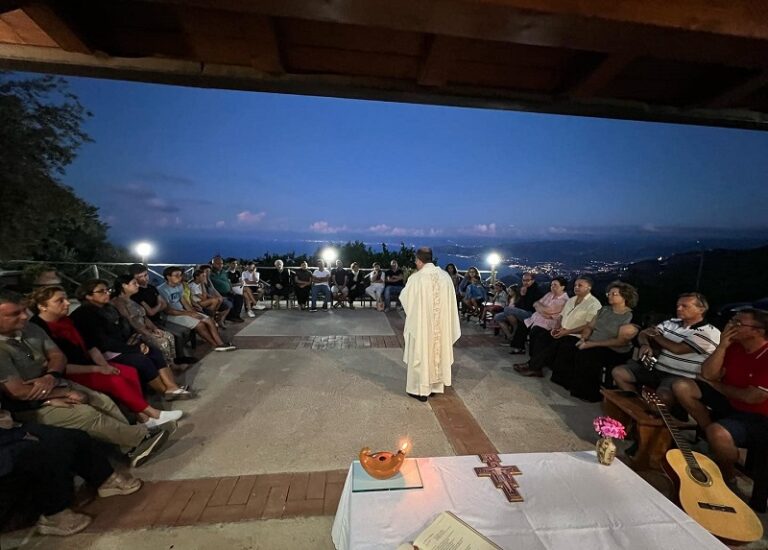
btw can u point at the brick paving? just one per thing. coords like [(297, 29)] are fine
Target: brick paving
[(282, 495), (220, 500)]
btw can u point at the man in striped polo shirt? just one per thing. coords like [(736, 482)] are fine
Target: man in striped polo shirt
[(679, 346)]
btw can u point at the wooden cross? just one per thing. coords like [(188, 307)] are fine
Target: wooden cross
[(503, 477)]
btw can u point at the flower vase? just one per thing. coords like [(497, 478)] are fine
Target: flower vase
[(606, 450)]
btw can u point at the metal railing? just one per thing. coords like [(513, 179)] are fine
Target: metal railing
[(70, 272)]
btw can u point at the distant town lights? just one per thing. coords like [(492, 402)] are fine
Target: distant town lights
[(329, 255), (494, 259)]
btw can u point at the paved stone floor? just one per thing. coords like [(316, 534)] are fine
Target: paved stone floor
[(260, 457)]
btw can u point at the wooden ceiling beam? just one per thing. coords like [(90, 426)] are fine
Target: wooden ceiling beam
[(268, 56), (210, 34), (738, 92), (190, 73), (600, 76), (437, 62), (52, 24), (655, 28)]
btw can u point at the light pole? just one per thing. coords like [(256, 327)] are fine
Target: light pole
[(144, 250), (494, 260)]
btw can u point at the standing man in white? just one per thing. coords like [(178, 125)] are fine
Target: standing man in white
[(431, 327)]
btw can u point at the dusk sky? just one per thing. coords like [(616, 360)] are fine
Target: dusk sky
[(201, 161)]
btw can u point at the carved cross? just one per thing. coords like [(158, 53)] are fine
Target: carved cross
[(503, 477)]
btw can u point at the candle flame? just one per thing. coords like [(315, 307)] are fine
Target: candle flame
[(404, 445)]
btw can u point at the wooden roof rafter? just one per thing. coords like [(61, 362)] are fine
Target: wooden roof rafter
[(699, 62)]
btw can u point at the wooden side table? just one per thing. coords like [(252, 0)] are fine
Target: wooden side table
[(652, 436)]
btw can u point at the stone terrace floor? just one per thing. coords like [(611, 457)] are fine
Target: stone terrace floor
[(260, 458)]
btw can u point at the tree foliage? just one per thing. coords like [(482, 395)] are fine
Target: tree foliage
[(40, 132), (349, 252)]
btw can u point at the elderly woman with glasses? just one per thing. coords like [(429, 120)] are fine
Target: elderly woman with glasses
[(605, 342), (102, 327)]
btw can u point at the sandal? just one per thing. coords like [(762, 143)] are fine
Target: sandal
[(179, 394)]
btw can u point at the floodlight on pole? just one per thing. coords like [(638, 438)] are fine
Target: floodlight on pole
[(493, 259), (143, 249), (329, 255)]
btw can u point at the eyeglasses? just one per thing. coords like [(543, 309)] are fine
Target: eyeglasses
[(737, 323), (609, 294), (527, 280), (101, 291)]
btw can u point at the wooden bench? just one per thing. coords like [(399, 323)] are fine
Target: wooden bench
[(651, 434)]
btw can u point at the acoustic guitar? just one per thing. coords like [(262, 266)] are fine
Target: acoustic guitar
[(702, 493)]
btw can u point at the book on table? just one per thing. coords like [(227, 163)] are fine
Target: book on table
[(448, 531)]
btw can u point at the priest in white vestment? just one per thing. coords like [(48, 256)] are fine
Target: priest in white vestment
[(431, 327)]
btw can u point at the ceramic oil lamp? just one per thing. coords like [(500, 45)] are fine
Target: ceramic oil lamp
[(383, 464)]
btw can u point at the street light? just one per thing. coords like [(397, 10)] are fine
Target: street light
[(329, 255), (143, 249), (493, 259)]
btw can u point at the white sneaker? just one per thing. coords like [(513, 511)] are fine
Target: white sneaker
[(225, 347), (165, 418), (63, 524), (251, 313), (259, 307)]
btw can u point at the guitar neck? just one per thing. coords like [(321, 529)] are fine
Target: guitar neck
[(681, 443)]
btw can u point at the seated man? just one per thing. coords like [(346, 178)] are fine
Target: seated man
[(510, 320), (679, 346), (394, 282), (253, 288), (148, 298), (179, 313), (732, 390), (220, 280), (31, 376), (45, 459), (199, 298), (280, 284), (321, 278), (355, 284), (339, 287)]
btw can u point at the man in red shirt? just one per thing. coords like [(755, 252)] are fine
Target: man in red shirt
[(734, 385)]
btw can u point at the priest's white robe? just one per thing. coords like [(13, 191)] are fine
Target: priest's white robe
[(431, 328)]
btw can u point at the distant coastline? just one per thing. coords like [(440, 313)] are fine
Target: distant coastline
[(547, 255)]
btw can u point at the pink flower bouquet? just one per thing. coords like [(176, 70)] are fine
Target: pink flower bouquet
[(609, 427)]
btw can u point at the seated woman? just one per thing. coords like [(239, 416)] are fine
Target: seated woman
[(302, 281), (124, 288), (605, 343), (99, 323), (495, 304), (474, 293), (376, 287), (544, 319), (450, 269), (560, 342), (88, 367)]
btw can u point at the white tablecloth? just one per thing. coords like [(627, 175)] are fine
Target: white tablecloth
[(571, 502)]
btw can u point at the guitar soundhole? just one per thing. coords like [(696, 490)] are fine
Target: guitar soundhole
[(699, 475)]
